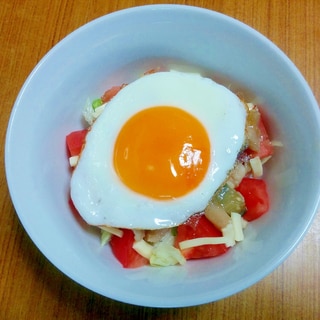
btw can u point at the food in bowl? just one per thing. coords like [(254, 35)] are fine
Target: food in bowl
[(169, 168)]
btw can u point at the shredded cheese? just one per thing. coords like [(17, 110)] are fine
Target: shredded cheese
[(277, 143), (105, 237), (143, 248), (244, 223), (228, 233), (117, 232), (201, 241), (256, 166), (237, 226), (265, 159)]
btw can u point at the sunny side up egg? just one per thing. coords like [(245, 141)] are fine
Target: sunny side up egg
[(158, 152)]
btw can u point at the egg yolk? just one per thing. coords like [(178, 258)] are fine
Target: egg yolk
[(162, 152)]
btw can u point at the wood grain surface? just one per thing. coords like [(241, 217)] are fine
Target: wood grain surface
[(30, 287)]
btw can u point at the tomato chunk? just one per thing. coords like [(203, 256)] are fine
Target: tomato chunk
[(266, 147), (110, 93), (75, 140), (255, 196), (195, 227), (123, 251)]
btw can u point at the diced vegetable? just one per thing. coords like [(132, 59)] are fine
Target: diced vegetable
[(124, 252), (266, 147), (216, 215), (92, 110), (110, 93), (97, 103), (156, 235), (75, 141), (138, 234), (229, 199), (195, 227), (73, 161), (151, 71), (237, 174), (252, 129), (256, 197)]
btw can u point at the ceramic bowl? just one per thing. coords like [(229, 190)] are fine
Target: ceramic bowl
[(114, 49)]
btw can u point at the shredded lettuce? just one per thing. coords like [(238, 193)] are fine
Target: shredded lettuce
[(164, 254), (105, 237), (92, 110)]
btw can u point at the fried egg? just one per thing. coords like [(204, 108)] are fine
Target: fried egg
[(158, 152)]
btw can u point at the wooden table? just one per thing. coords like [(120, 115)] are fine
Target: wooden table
[(30, 287)]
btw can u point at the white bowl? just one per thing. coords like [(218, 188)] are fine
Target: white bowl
[(115, 49)]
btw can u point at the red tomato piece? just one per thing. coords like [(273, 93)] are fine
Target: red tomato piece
[(255, 196), (198, 226), (75, 140), (110, 93), (266, 147), (151, 71), (123, 251)]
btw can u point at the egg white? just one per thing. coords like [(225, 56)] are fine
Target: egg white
[(96, 190)]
